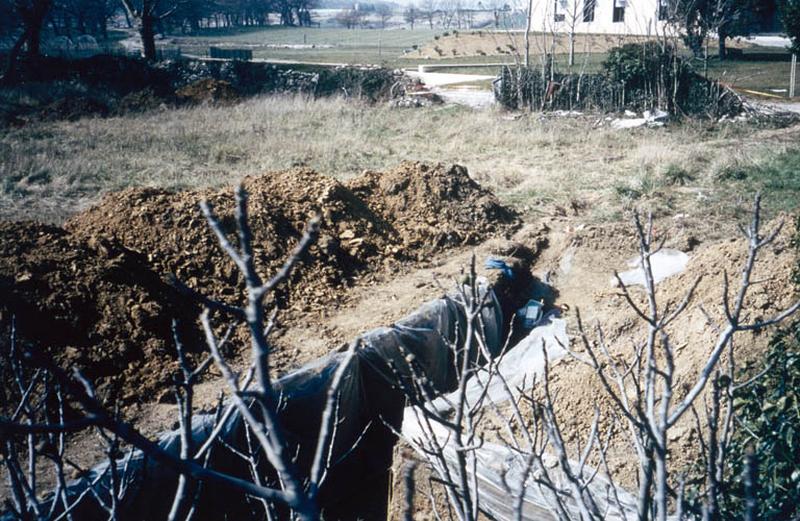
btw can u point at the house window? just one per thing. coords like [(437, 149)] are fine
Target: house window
[(558, 15), (588, 10), (663, 9), (619, 11)]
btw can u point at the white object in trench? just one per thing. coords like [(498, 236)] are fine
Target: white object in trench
[(519, 366), (531, 313), (500, 467), (664, 263)]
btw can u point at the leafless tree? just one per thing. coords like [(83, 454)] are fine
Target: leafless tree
[(428, 10), (145, 14), (650, 376), (411, 15), (568, 14), (448, 12), (457, 422), (31, 14), (350, 18), (384, 12)]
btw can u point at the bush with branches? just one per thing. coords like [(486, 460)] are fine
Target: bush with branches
[(769, 415), (647, 403), (533, 466), (50, 402)]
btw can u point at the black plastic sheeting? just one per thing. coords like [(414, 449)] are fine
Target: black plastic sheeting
[(370, 407)]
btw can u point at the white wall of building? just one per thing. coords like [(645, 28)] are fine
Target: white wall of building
[(641, 17)]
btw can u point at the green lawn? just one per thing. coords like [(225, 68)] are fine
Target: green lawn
[(759, 69), (364, 46), (773, 174)]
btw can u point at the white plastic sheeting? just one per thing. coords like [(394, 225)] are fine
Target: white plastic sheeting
[(519, 368), (498, 461), (665, 263)]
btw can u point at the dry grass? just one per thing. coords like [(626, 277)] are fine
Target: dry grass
[(542, 166)]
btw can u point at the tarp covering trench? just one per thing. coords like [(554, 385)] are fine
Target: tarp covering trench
[(360, 458), (499, 464)]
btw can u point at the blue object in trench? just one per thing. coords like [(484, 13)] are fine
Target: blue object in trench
[(497, 264)]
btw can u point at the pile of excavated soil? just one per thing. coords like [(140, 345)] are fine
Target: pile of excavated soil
[(99, 293), (405, 214), (90, 303), (432, 207)]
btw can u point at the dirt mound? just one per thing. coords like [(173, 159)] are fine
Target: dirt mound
[(170, 230), (579, 389), (365, 224), (208, 90), (101, 293), (91, 303), (432, 207)]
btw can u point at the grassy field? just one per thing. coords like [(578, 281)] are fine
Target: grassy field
[(541, 166), (363, 46), (761, 69)]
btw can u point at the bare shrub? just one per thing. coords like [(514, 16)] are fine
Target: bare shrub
[(540, 466), (50, 402)]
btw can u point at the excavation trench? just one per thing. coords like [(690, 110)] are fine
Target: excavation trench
[(369, 411)]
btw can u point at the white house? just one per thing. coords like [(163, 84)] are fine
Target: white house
[(624, 17)]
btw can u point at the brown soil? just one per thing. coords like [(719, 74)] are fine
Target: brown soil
[(98, 293), (89, 302), (208, 90), (386, 239), (420, 199), (579, 260), (581, 263), (365, 224)]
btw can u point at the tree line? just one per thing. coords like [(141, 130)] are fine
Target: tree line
[(23, 21)]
